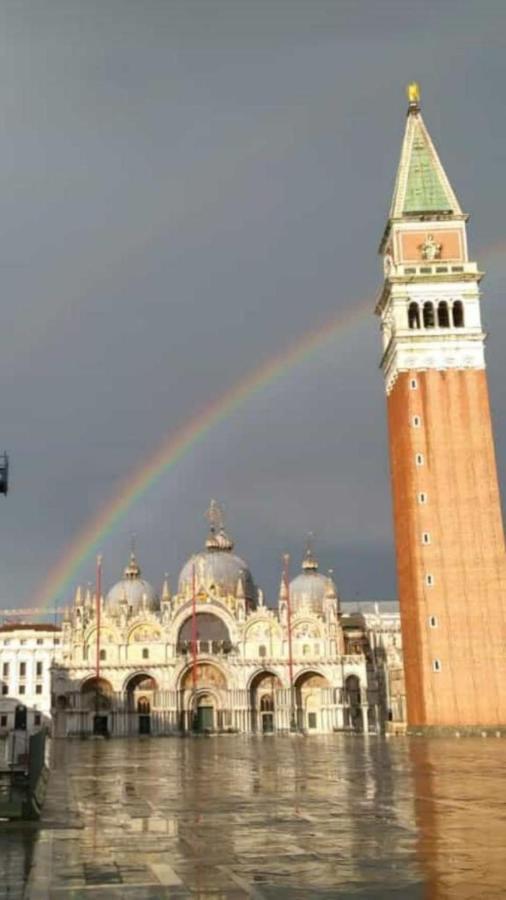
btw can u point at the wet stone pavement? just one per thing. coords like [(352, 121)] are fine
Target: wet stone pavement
[(232, 817)]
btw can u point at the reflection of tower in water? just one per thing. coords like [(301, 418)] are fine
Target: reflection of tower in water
[(459, 807)]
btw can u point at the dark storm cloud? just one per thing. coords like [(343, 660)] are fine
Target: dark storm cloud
[(186, 188)]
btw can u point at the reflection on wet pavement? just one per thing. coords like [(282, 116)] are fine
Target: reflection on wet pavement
[(284, 817)]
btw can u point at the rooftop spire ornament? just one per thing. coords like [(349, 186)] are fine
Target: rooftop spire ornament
[(413, 92)]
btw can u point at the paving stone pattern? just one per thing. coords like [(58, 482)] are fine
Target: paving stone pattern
[(226, 818)]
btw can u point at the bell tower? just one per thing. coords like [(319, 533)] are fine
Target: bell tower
[(451, 562)]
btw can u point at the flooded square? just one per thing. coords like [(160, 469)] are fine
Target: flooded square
[(273, 817)]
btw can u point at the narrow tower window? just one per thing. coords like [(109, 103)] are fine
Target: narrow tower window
[(429, 580), (436, 665), (413, 315), (422, 497), (413, 384), (425, 537), (419, 459), (443, 315), (433, 622), (416, 421), (428, 315), (458, 314)]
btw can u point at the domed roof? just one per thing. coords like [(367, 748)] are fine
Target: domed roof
[(132, 593), (217, 568), (309, 589)]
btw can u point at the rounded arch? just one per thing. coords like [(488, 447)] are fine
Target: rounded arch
[(428, 314), (209, 676), (209, 607), (310, 697), (264, 672), (96, 693), (135, 681), (212, 634), (263, 687), (413, 315)]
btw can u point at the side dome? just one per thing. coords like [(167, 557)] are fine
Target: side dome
[(132, 594), (216, 569), (309, 589)]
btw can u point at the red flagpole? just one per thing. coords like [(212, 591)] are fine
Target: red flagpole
[(98, 589), (97, 608), (194, 632), (286, 560)]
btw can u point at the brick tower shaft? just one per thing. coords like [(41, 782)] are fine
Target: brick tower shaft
[(451, 561)]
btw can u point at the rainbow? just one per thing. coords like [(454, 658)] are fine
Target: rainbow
[(176, 444)]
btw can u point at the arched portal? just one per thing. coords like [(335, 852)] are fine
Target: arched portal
[(96, 696), (210, 633), (263, 689), (203, 690), (140, 691), (310, 689)]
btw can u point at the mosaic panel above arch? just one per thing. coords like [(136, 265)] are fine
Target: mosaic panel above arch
[(206, 675), (144, 633)]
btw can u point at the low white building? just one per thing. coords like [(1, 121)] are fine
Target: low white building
[(27, 654)]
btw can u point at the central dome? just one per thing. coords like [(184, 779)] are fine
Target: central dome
[(132, 594), (216, 568)]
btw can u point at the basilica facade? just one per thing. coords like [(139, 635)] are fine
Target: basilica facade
[(213, 657)]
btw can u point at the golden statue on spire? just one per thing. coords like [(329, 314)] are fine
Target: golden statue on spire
[(413, 92)]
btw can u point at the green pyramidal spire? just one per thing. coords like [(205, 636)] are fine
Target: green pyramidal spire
[(422, 186)]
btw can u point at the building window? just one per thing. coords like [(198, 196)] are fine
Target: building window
[(22, 689), (3, 721), (316, 649), (425, 537), (428, 315), (145, 653), (38, 689), (103, 655), (37, 719), (429, 580), (40, 641), (5, 689), (433, 622), (305, 650), (22, 642), (262, 650), (5, 670), (419, 459), (413, 384), (443, 315), (436, 665), (57, 642), (22, 670), (458, 314), (416, 421), (422, 497), (38, 669), (413, 315)]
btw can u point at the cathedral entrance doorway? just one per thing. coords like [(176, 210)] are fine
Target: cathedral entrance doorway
[(205, 714), (310, 688), (263, 688), (140, 692)]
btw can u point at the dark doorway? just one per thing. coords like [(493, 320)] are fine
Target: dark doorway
[(205, 718), (100, 725), (144, 724), (267, 723)]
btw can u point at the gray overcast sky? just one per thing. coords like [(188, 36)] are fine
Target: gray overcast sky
[(185, 189)]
